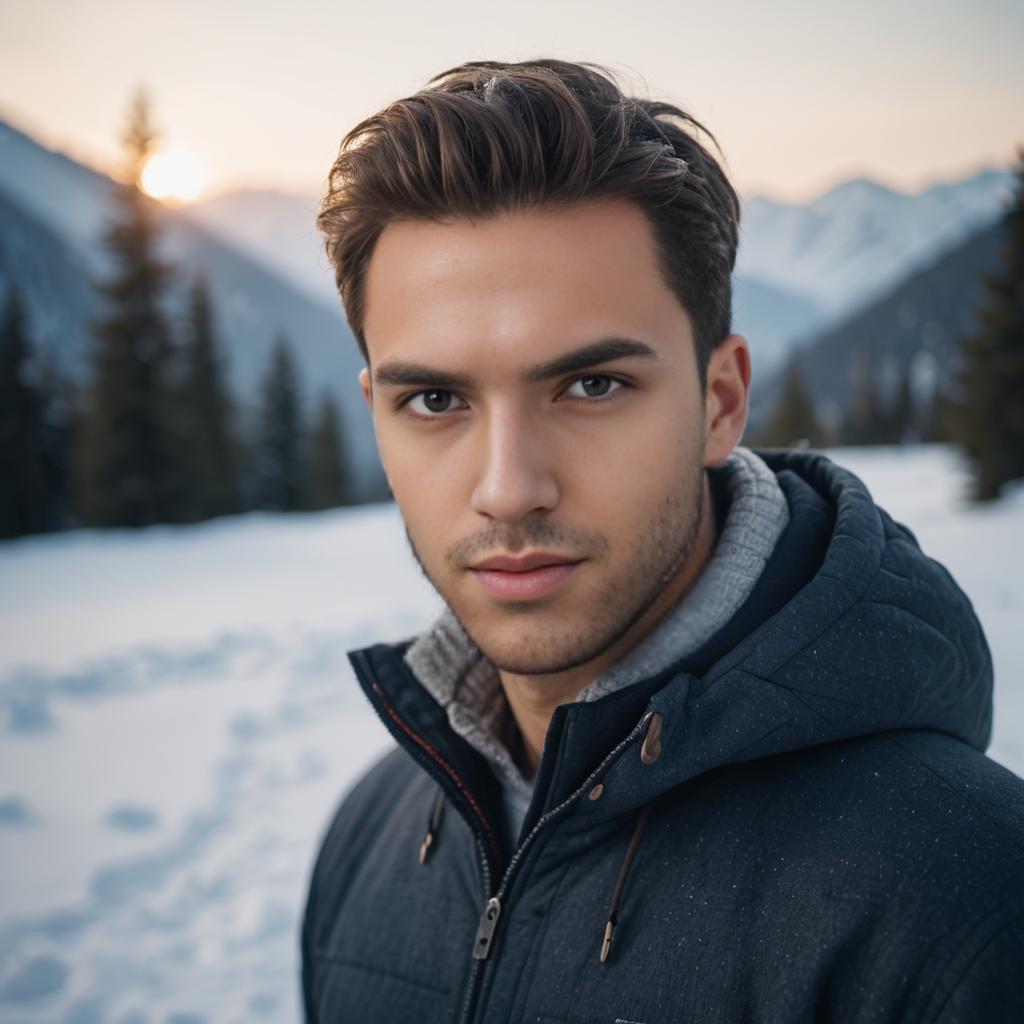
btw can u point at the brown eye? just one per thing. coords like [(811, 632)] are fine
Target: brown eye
[(596, 386), (431, 403), (436, 401)]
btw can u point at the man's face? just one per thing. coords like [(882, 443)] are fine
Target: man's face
[(492, 449)]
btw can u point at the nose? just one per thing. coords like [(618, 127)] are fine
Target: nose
[(516, 475)]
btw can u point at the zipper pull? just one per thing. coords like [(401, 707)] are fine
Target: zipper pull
[(484, 934)]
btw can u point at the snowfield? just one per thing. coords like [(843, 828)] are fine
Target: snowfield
[(178, 719)]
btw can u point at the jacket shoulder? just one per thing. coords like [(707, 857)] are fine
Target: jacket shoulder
[(916, 803), (952, 775), (370, 811), (390, 774), (389, 796), (925, 835), (363, 808)]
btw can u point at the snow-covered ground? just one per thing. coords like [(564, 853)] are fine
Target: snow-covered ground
[(178, 718)]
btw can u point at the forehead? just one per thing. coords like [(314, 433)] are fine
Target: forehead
[(518, 283)]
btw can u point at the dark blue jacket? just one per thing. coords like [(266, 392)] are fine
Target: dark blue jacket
[(795, 824)]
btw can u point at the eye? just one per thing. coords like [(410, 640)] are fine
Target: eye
[(596, 385), (430, 404)]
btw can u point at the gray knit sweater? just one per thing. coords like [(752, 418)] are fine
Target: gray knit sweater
[(455, 672)]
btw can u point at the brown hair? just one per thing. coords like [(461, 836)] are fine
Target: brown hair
[(489, 137)]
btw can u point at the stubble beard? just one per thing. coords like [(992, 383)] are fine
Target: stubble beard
[(662, 550)]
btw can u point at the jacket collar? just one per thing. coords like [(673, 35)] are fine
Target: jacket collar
[(752, 511), (866, 635)]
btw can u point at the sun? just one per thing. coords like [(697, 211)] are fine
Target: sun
[(175, 174)]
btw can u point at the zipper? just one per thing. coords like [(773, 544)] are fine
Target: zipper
[(484, 941), (485, 932), (430, 759)]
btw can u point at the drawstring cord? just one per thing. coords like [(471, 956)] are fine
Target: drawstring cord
[(650, 751), (432, 826), (613, 916)]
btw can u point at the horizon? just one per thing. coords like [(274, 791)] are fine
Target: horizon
[(799, 99), (923, 183)]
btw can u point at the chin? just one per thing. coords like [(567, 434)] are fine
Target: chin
[(534, 649)]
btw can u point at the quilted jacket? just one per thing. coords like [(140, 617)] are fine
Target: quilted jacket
[(796, 823)]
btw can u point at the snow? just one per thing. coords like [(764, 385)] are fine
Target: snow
[(178, 718), (856, 241)]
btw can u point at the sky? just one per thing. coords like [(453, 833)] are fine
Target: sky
[(799, 95)]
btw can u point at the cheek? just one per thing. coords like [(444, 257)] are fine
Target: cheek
[(407, 471), (427, 495), (638, 460), (624, 491)]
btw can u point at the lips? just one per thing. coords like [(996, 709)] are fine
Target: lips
[(536, 560), (528, 578)]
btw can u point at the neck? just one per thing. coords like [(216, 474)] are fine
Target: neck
[(533, 699)]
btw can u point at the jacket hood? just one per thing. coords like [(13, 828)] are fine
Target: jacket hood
[(880, 638), (875, 637)]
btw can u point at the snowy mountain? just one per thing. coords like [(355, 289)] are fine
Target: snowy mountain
[(277, 228), (915, 324), (800, 268), (770, 318), (53, 278), (65, 195), (52, 214), (857, 240)]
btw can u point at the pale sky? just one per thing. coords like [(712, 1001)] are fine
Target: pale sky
[(800, 95)]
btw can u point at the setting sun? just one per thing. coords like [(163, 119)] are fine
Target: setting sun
[(176, 175)]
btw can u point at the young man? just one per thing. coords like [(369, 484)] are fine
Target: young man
[(699, 735)]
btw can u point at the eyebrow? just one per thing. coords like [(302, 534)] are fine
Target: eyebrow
[(403, 374)]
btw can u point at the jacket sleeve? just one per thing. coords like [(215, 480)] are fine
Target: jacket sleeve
[(988, 987), (340, 849), (306, 951)]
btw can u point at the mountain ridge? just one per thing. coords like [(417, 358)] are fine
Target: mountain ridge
[(253, 304)]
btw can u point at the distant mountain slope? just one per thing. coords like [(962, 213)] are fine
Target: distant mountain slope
[(53, 280), (70, 204), (58, 191), (277, 228), (916, 324), (801, 268), (856, 241), (770, 318)]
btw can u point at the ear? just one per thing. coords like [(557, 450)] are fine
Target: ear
[(364, 383), (727, 398)]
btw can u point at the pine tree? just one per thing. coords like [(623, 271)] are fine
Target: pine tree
[(938, 418), (865, 422), (60, 424), (206, 416), (130, 471), (988, 416), (329, 480), (902, 420), (23, 491), (279, 466), (793, 420)]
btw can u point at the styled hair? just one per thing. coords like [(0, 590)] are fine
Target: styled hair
[(487, 137)]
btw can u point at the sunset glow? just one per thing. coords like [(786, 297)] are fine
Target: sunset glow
[(176, 175)]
